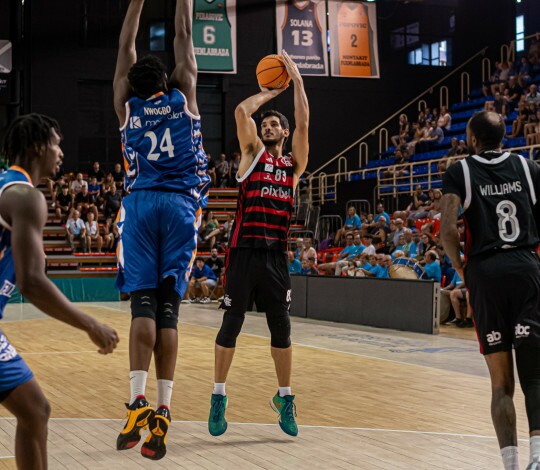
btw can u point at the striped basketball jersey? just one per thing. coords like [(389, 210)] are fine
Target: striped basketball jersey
[(302, 38), (353, 40), (265, 203), (15, 175), (499, 193), (212, 35), (162, 146)]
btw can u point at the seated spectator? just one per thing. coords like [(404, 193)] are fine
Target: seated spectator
[(55, 188), (400, 245), (403, 125), (96, 172), (533, 96), (380, 233), (215, 263), (201, 277), (94, 189), (432, 267), (208, 225), (119, 177), (295, 267), (77, 184), (307, 250), (221, 234), (112, 203), (434, 136), (423, 210), (380, 270), (435, 212), (311, 270), (532, 130), (92, 233), (498, 105), (514, 94), (212, 170), (420, 132), (519, 123), (463, 149), (84, 203), (299, 247), (524, 73), (454, 147), (233, 169), (400, 167), (108, 183), (415, 242), (352, 224), (368, 268), (75, 230), (381, 213), (369, 248), (348, 253), (445, 119), (457, 294), (426, 244), (110, 235), (400, 230), (64, 204)]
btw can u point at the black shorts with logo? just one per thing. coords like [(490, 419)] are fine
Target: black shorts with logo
[(257, 276), (504, 294)]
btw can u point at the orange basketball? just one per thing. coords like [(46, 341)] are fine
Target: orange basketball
[(272, 73)]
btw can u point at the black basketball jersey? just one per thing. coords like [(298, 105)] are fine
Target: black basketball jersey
[(265, 203), (498, 193)]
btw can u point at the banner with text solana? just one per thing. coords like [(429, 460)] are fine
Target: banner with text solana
[(214, 35), (301, 31)]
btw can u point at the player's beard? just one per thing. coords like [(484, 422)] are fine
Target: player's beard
[(268, 142)]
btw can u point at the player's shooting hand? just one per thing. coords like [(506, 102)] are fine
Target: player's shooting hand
[(104, 337), (292, 68), (273, 92)]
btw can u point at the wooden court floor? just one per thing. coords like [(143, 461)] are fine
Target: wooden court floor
[(366, 398)]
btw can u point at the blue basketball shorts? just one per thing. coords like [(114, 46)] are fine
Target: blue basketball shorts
[(158, 238), (13, 369)]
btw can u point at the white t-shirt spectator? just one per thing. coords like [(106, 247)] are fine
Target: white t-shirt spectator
[(93, 229), (309, 253), (75, 226), (369, 250), (76, 186)]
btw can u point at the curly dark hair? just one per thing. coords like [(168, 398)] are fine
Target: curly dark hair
[(283, 121), (146, 76), (28, 132)]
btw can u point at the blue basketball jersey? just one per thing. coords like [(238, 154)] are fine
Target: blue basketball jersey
[(162, 146), (14, 175)]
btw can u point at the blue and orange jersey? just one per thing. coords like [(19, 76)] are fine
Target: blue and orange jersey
[(15, 175), (162, 146)]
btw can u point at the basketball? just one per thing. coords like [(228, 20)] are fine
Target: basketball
[(272, 73)]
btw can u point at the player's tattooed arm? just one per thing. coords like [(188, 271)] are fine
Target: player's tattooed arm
[(184, 75), (300, 139), (127, 56), (450, 204)]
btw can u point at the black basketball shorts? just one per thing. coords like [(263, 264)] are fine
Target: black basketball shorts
[(257, 276), (504, 294)]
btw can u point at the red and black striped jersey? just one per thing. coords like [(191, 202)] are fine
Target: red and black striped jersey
[(265, 203)]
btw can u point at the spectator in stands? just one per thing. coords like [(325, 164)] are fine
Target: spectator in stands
[(295, 267), (532, 130), (381, 213), (421, 119), (84, 203), (392, 229), (55, 188), (401, 245), (400, 166), (463, 149), (64, 204), (311, 268), (368, 267), (92, 233), (491, 86), (94, 189), (455, 284), (533, 96), (96, 172), (215, 263), (403, 133), (75, 230), (435, 212), (110, 235), (380, 235), (119, 176), (112, 203), (420, 132), (380, 270), (208, 225), (201, 277), (348, 253), (415, 242), (222, 171), (445, 119), (220, 234), (514, 92), (108, 183), (307, 250), (454, 147), (524, 73), (400, 230), (432, 267), (426, 244), (352, 225), (498, 105), (77, 184), (233, 169), (369, 248), (519, 123), (434, 136), (299, 247), (212, 170)]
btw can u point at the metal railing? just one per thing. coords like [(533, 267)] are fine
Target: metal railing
[(323, 187), (508, 51)]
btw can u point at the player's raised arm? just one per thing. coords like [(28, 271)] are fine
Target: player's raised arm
[(184, 75), (300, 139), (26, 211), (127, 56), (246, 129)]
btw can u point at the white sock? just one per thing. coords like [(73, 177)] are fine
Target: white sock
[(137, 383), (164, 392), (219, 389), (535, 448), (510, 458), (284, 391)]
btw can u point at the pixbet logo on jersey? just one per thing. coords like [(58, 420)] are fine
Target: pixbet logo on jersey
[(494, 338), (522, 331), (275, 192)]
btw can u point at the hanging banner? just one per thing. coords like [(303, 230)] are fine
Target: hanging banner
[(301, 31), (214, 35), (353, 39)]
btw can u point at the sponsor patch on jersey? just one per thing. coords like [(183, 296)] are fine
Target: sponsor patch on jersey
[(269, 168), (135, 122), (287, 161), (7, 289)]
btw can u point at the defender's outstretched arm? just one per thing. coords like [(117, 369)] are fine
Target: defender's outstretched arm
[(127, 56)]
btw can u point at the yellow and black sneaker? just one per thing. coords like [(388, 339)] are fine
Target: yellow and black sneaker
[(138, 416), (155, 445)]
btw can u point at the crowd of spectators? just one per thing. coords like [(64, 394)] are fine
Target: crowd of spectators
[(223, 171)]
